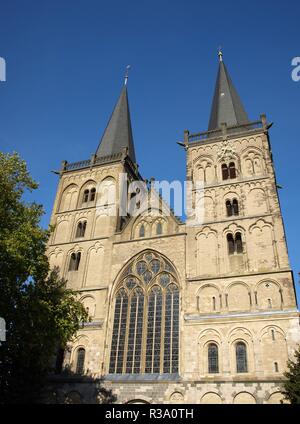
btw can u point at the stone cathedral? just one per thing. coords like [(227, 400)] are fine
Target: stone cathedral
[(179, 314)]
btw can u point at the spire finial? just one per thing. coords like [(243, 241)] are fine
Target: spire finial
[(126, 74), (220, 54)]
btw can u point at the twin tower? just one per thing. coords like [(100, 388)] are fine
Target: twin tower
[(179, 313)]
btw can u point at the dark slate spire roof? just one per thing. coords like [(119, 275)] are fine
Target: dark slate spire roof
[(118, 133), (227, 106)]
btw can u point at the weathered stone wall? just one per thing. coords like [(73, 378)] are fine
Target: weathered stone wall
[(247, 296), (180, 392)]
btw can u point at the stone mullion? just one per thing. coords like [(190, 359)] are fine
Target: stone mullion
[(117, 350), (171, 335), (162, 332), (126, 335), (154, 332), (135, 328), (144, 335)]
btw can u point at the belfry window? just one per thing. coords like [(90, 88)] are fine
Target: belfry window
[(145, 334), (225, 172), (238, 243), (89, 195), (81, 227), (232, 170), (235, 244), (228, 208), (235, 207), (232, 208), (92, 194), (230, 243), (228, 171), (74, 261), (85, 196)]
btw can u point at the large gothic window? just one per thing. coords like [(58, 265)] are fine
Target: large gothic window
[(145, 335)]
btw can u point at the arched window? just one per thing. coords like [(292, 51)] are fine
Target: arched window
[(214, 303), (85, 198), (273, 334), (241, 357), (238, 243), (235, 244), (145, 335), (276, 367), (74, 261), (225, 172), (230, 243), (92, 194), (78, 257), (213, 359), (235, 207), (228, 208), (89, 195), (81, 227), (80, 360), (232, 208), (142, 230), (158, 228), (232, 170)]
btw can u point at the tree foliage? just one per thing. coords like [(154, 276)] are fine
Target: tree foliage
[(292, 384), (40, 312)]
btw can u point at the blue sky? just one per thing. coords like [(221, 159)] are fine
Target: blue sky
[(65, 65)]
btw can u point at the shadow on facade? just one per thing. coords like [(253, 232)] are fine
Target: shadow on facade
[(71, 388)]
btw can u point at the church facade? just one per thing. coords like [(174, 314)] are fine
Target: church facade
[(179, 313)]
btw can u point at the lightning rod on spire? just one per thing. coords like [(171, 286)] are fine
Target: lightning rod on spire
[(220, 54), (126, 74)]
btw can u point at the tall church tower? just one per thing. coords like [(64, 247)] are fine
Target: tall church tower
[(180, 313), (241, 321), (86, 219)]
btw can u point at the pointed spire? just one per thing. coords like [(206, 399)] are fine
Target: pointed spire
[(226, 106), (118, 133)]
